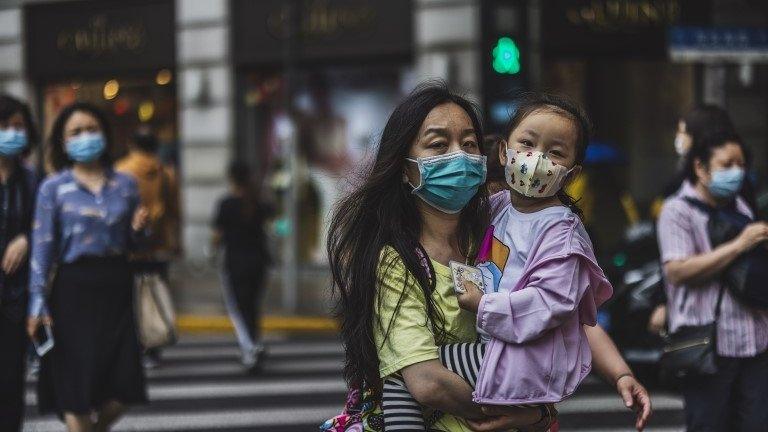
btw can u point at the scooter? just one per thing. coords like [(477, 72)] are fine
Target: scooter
[(635, 269)]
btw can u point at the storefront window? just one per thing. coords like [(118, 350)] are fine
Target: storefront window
[(127, 101), (336, 119)]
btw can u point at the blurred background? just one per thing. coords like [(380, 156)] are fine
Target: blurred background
[(301, 89), (220, 80)]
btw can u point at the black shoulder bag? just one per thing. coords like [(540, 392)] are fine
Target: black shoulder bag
[(692, 350)]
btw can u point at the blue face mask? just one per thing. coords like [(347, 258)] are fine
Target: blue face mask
[(449, 181), (12, 142), (726, 183), (85, 147)]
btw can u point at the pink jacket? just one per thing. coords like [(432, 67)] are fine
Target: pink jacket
[(539, 352)]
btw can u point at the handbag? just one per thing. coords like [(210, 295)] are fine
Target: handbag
[(154, 311), (745, 277), (692, 350), (362, 413)]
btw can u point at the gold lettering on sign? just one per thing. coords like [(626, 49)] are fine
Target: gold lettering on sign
[(624, 15), (100, 38), (321, 19)]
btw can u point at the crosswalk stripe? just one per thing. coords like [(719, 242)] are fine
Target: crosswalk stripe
[(236, 369), (614, 429), (612, 403), (159, 392), (203, 353), (207, 420)]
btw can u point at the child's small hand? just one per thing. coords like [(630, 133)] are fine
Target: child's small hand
[(470, 299)]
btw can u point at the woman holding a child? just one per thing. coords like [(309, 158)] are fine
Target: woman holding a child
[(411, 340)]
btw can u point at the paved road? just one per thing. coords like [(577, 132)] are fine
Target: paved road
[(201, 387)]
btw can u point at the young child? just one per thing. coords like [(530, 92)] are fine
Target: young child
[(541, 277)]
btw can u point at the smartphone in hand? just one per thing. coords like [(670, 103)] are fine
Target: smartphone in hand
[(43, 340), (462, 272)]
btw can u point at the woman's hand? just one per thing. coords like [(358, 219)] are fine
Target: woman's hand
[(754, 234), (34, 322), (15, 254), (512, 418), (140, 219), (470, 299), (658, 320), (636, 398), (493, 424)]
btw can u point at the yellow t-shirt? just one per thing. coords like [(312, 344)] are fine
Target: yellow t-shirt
[(409, 338)]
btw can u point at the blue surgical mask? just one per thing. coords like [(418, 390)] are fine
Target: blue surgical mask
[(85, 147), (12, 142), (449, 181), (726, 183)]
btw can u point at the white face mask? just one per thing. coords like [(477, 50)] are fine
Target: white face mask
[(533, 174)]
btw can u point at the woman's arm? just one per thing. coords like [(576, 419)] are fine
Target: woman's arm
[(702, 268), (684, 264), (434, 386), (44, 240), (610, 365)]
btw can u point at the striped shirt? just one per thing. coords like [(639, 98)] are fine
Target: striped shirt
[(682, 233)]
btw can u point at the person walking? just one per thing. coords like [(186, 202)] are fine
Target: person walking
[(158, 190), (17, 193), (87, 220), (238, 227), (735, 397), (698, 124)]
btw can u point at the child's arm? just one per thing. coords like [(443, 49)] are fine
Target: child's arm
[(552, 296)]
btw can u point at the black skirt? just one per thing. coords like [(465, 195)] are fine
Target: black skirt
[(96, 356)]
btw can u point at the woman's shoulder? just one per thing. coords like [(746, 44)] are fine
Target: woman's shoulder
[(676, 206), (54, 180), (389, 258), (392, 270), (124, 179)]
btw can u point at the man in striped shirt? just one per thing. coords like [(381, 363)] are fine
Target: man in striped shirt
[(736, 398)]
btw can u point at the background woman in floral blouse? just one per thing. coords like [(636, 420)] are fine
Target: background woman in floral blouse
[(87, 219)]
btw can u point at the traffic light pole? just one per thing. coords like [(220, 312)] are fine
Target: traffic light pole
[(290, 273)]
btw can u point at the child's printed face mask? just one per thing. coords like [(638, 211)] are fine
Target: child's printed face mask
[(533, 174)]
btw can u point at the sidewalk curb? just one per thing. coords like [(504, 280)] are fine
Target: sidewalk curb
[(270, 323)]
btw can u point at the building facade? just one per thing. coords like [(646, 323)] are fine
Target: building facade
[(218, 80)]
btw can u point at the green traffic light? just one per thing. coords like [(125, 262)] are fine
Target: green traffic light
[(506, 56)]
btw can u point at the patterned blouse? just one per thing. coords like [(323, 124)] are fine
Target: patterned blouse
[(72, 222), (682, 231)]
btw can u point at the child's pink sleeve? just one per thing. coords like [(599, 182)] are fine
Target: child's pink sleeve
[(556, 292)]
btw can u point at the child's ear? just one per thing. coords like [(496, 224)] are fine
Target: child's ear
[(503, 153)]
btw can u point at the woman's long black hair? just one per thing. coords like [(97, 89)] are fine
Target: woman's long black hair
[(533, 102), (381, 212)]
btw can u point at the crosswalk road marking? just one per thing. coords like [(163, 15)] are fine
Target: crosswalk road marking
[(202, 387)]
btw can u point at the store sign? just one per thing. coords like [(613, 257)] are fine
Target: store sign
[(101, 38), (267, 31), (98, 37), (625, 28), (719, 44)]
